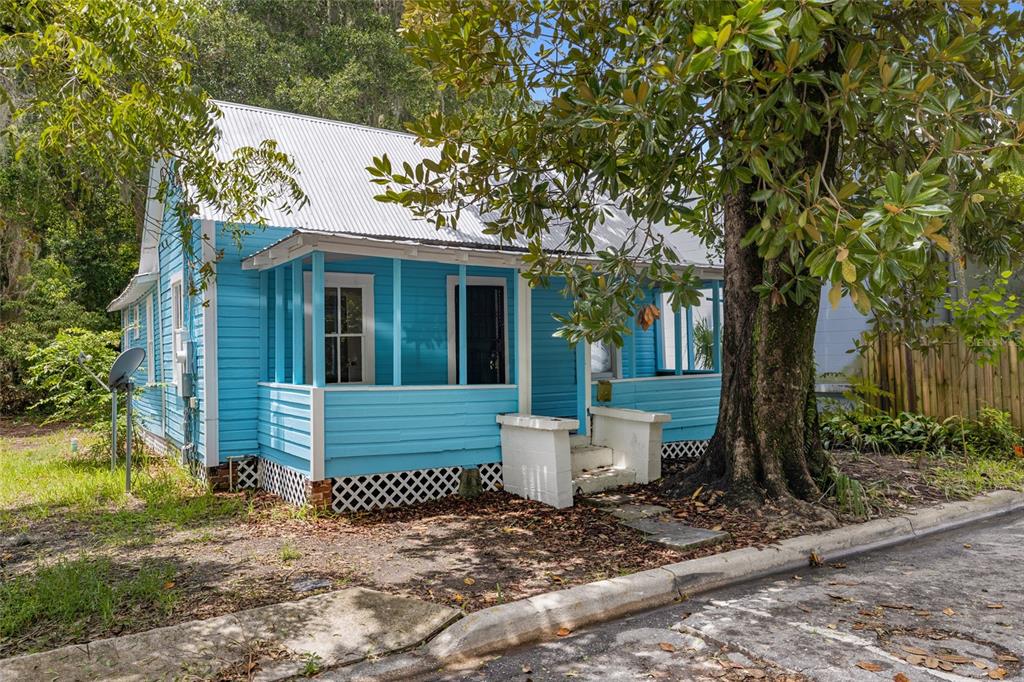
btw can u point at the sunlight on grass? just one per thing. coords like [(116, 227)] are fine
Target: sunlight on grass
[(70, 595), (40, 477), (963, 479)]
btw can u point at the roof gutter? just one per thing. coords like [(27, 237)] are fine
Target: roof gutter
[(300, 244), (137, 286)]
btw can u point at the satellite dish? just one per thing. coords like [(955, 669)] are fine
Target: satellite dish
[(124, 366)]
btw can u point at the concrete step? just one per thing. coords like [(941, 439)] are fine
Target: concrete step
[(588, 457), (578, 441), (604, 478)]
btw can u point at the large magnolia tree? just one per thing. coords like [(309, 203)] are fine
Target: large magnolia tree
[(831, 144)]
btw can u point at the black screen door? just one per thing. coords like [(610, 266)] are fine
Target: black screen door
[(485, 334)]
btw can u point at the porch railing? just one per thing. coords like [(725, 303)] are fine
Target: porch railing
[(340, 431)]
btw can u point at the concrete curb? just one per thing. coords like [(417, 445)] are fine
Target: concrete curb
[(528, 620)]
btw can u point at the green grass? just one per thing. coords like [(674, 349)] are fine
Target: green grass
[(39, 477), (65, 599), (967, 478), (289, 553)]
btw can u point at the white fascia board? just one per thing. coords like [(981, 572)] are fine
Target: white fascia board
[(210, 393)]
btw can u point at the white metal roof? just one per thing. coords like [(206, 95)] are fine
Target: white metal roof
[(331, 158)]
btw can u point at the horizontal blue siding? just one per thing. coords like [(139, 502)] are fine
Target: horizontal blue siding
[(554, 361), (147, 402), (284, 431), (375, 431), (238, 328), (692, 401)]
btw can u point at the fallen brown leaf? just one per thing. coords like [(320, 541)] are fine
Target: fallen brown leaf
[(918, 651), (993, 606), (997, 674), (562, 632), (900, 677), (666, 646), (869, 666), (469, 581), (948, 611)]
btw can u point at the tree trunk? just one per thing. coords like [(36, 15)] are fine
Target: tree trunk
[(766, 443)]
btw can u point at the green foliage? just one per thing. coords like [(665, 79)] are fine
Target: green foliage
[(47, 303), (47, 479), (848, 492), (337, 60), (988, 318), (133, 102), (71, 595), (70, 393), (904, 433), (963, 479), (703, 345), (990, 436), (859, 137)]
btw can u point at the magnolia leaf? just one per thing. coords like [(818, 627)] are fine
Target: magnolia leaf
[(849, 271), (835, 294)]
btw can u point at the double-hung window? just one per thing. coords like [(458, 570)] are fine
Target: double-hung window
[(177, 328), (348, 328)]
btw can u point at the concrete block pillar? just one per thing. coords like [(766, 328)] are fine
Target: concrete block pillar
[(535, 459), (634, 436)]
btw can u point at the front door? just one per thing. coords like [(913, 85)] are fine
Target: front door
[(485, 334)]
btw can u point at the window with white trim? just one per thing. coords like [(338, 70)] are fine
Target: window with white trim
[(177, 328), (702, 332), (604, 360), (348, 328)]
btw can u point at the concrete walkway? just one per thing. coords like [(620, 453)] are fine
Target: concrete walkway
[(336, 628), (946, 608)]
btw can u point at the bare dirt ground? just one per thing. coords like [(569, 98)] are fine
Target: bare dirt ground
[(470, 554)]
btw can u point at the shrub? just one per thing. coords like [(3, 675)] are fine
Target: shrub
[(990, 436), (69, 392), (906, 432)]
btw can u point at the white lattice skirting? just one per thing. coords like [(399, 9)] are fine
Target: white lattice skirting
[(288, 484), (378, 491), (684, 449), (245, 473)]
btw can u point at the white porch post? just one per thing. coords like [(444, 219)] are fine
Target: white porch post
[(463, 351), (690, 345), (279, 325), (317, 326), (583, 379), (264, 323), (677, 319), (298, 325), (396, 348), (524, 353)]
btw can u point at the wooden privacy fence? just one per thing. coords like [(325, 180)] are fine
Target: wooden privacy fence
[(947, 379)]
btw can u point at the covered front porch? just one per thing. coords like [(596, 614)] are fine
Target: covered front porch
[(382, 358)]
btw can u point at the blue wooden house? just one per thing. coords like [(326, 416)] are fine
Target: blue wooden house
[(349, 355)]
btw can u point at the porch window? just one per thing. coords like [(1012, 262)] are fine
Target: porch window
[(697, 337), (348, 328), (604, 360)]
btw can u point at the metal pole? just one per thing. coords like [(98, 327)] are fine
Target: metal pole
[(128, 443), (113, 429)]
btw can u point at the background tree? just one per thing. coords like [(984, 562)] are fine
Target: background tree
[(824, 143), (339, 60), (92, 93)]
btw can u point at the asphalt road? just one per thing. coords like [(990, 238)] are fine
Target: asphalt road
[(949, 607)]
